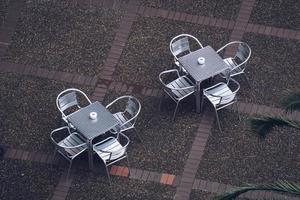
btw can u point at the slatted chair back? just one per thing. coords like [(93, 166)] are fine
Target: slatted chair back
[(128, 116), (241, 56), (118, 154), (70, 146), (243, 52), (176, 88), (112, 148), (133, 108), (180, 44), (68, 99)]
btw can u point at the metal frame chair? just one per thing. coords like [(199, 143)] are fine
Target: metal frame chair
[(220, 96), (238, 63), (128, 117), (177, 89), (111, 150), (180, 44), (69, 147), (67, 99)]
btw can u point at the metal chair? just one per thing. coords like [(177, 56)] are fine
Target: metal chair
[(69, 147), (111, 150), (180, 45), (126, 118), (177, 89), (238, 63), (68, 99), (222, 95)]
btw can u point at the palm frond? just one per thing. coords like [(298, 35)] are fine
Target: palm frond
[(279, 186), (291, 102), (264, 124)]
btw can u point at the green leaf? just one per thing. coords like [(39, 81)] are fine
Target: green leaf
[(291, 102)]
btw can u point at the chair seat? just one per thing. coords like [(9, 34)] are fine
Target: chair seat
[(122, 119), (231, 64), (220, 90), (181, 82), (73, 140), (110, 145)]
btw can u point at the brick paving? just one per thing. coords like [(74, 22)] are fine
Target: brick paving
[(62, 188), (186, 181)]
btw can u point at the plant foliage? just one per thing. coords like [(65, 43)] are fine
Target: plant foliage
[(279, 186), (263, 124), (291, 102)]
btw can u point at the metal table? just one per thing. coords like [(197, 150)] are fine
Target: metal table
[(214, 65), (89, 128)]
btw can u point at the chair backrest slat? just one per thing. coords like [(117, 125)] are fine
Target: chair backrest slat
[(117, 154), (242, 52), (180, 46), (132, 106), (67, 101)]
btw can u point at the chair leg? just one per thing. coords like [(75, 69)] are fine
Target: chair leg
[(140, 138), (217, 116), (202, 101), (237, 110), (161, 100), (138, 135), (107, 172), (248, 83), (174, 115), (69, 169), (53, 156), (128, 165)]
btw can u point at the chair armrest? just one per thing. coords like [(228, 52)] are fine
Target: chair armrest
[(211, 87), (169, 71), (237, 83), (230, 43), (58, 130), (114, 101)]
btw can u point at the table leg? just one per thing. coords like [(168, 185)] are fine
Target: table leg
[(198, 98), (90, 149)]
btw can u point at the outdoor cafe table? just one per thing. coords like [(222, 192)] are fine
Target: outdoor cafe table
[(213, 65), (91, 128)]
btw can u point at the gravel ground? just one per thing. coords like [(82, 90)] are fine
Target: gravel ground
[(147, 52), (200, 195), (167, 143), (25, 180), (226, 9), (59, 36), (278, 13), (29, 111), (272, 69), (3, 10), (238, 156), (87, 186)]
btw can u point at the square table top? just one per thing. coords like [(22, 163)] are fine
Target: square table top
[(213, 65), (92, 128)]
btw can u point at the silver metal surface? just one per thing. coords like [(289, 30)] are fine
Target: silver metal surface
[(213, 65)]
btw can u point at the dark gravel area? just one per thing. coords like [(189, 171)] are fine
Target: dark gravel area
[(58, 36), (3, 10), (273, 69), (25, 180), (147, 52), (167, 143), (86, 186), (238, 156), (200, 195), (278, 13), (226, 9), (28, 111)]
